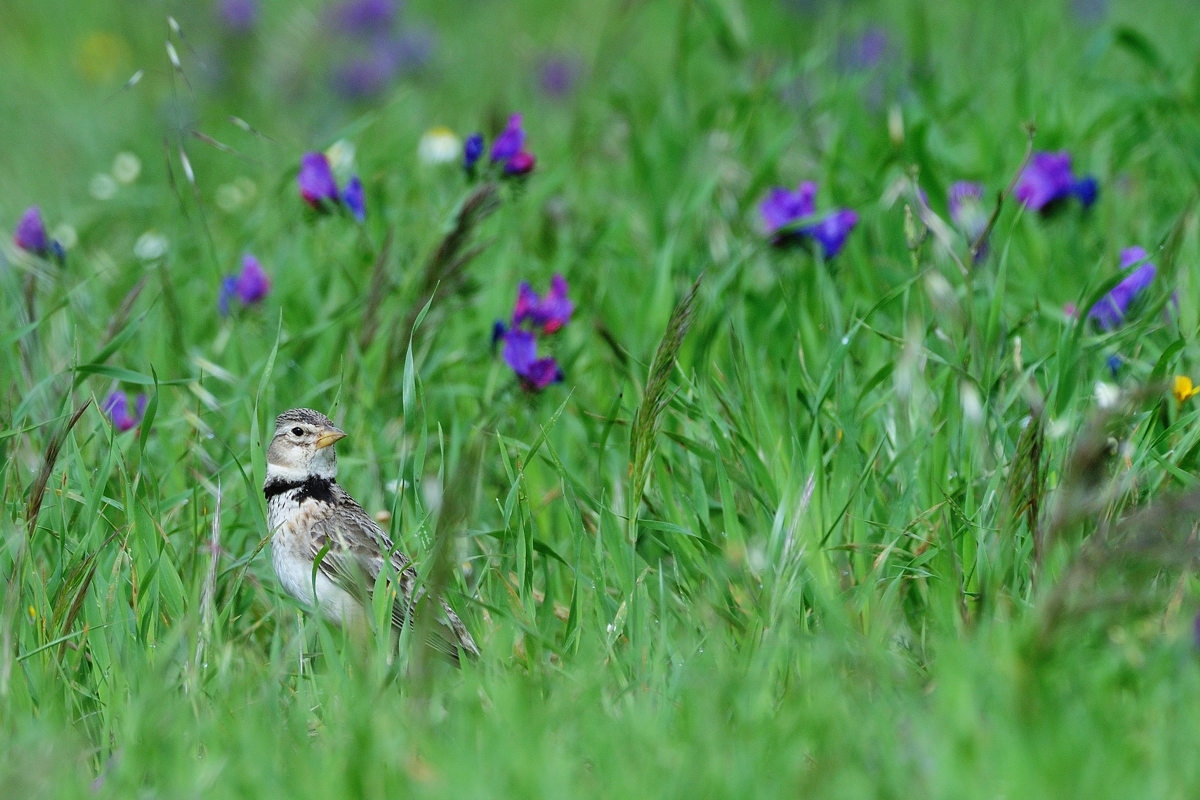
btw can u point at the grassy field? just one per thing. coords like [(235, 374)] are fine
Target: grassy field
[(891, 523)]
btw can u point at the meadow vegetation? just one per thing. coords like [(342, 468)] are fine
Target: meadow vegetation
[(901, 518)]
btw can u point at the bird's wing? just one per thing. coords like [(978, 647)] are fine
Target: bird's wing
[(354, 552), (350, 550)]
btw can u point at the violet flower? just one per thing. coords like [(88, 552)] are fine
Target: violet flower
[(1109, 312), (116, 406), (1048, 181), (249, 286), (320, 190), (520, 353), (864, 51), (550, 313), (557, 76), (355, 199), (510, 141), (472, 150), (533, 315), (238, 16), (967, 212), (364, 17), (782, 208), (30, 234), (317, 185)]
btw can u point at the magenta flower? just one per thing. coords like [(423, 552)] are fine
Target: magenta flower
[(320, 190), (550, 313), (520, 353), (520, 164), (783, 208), (533, 315), (1109, 312), (116, 406), (249, 286), (317, 185), (1048, 181), (510, 141)]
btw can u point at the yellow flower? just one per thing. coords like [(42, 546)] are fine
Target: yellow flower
[(1184, 388)]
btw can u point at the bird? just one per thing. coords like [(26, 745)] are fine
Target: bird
[(313, 520)]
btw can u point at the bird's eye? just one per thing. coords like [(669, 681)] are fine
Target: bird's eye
[(297, 431)]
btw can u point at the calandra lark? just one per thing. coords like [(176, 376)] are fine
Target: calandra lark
[(314, 520)]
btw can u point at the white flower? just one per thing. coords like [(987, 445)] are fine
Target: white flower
[(439, 146), (103, 187), (150, 245), (341, 158), (972, 406), (126, 167), (1107, 395)]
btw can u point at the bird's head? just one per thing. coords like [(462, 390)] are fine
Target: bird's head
[(303, 446)]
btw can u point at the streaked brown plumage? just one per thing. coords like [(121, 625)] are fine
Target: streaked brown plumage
[(312, 517)]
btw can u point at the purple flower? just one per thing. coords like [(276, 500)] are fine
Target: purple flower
[(831, 232), (864, 51), (965, 200), (251, 285), (317, 186), (1048, 180), (363, 77), (364, 17), (520, 353), (411, 50), (116, 406), (30, 234), (472, 150), (783, 207), (238, 16), (355, 199), (1109, 312), (520, 164), (557, 76), (550, 313), (510, 141)]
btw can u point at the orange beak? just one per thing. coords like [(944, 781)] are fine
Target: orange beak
[(329, 436)]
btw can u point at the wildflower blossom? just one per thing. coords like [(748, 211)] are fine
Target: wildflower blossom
[(520, 353), (316, 182), (557, 76), (510, 141), (472, 150), (30, 234), (1109, 312), (364, 17), (864, 51), (123, 417), (249, 286), (238, 16), (533, 315), (508, 151), (967, 212), (1183, 389), (319, 188), (355, 199), (783, 208), (439, 146), (1048, 181)]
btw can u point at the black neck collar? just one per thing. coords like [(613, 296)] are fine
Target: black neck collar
[(313, 487)]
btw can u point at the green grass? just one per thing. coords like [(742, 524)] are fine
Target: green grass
[(840, 576)]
